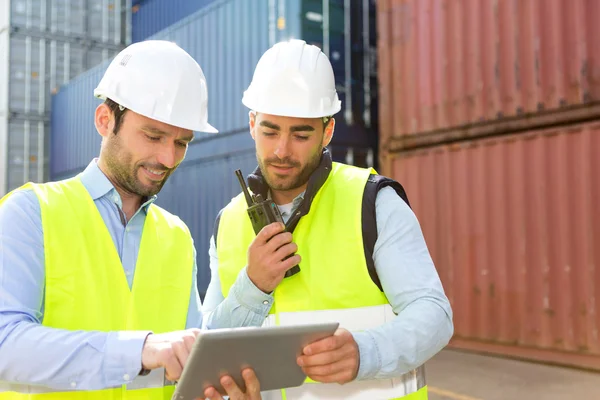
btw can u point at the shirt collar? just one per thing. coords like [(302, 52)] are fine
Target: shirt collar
[(98, 185), (297, 200)]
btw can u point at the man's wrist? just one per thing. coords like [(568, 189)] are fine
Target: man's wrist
[(144, 371)]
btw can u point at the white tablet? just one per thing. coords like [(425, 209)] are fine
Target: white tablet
[(270, 351)]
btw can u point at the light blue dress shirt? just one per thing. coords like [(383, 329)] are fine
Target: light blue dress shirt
[(32, 354), (410, 281)]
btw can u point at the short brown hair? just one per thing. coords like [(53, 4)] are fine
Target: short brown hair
[(118, 111)]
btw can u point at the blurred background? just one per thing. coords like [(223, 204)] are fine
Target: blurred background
[(487, 111)]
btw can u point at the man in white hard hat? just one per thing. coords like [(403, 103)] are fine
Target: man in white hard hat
[(98, 296), (361, 254)]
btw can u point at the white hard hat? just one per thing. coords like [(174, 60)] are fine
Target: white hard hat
[(159, 80), (293, 79)]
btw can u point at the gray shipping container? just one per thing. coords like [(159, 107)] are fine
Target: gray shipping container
[(44, 44), (227, 38)]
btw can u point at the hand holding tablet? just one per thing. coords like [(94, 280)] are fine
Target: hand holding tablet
[(271, 352), (233, 391)]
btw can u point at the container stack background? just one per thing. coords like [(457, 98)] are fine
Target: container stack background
[(43, 45), (489, 116), (486, 111), (227, 38)]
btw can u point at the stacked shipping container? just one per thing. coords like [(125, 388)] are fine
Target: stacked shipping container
[(44, 44), (227, 38), (511, 220), (514, 229), (450, 63)]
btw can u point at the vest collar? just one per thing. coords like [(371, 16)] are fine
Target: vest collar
[(258, 185)]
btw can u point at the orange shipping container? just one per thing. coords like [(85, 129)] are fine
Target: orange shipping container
[(513, 225), (450, 63)]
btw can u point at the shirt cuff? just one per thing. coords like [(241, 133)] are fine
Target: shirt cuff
[(123, 358), (251, 297), (369, 355)]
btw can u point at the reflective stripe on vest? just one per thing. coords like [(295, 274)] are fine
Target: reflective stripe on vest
[(333, 283), (86, 287), (357, 390), (353, 319), (155, 379)]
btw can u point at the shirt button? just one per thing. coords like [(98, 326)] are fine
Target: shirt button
[(128, 273), (73, 385), (266, 302), (126, 377)]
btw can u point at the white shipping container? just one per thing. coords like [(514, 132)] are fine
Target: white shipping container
[(27, 147), (39, 67), (98, 20)]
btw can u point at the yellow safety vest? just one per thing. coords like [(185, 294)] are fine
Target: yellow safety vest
[(86, 288), (333, 284)]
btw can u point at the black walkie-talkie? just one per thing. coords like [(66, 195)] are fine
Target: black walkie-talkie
[(262, 213)]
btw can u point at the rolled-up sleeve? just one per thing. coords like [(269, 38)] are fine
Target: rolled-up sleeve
[(245, 305)]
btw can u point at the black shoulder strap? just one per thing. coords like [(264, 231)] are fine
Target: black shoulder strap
[(369, 219)]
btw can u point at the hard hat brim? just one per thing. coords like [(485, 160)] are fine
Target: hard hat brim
[(206, 127)]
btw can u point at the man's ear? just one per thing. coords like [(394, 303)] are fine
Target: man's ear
[(252, 123), (328, 134), (104, 120)]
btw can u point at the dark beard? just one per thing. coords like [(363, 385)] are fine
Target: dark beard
[(299, 181), (129, 181), (124, 174)]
